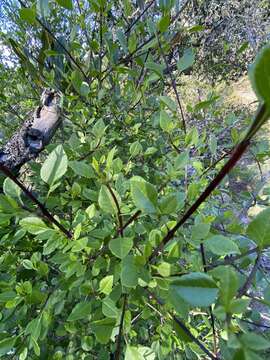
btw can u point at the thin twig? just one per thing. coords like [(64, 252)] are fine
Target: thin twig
[(242, 291), (59, 43), (210, 307), (139, 17), (83, 157), (260, 118), (100, 49), (252, 323), (184, 328), (84, 30), (129, 57), (119, 215), (213, 184), (257, 162), (42, 208), (119, 337), (215, 163), (130, 220), (173, 83), (232, 259)]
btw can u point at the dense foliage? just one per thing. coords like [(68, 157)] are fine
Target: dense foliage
[(141, 272)]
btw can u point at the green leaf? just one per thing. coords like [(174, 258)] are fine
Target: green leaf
[(122, 39), (228, 284), (34, 328), (65, 3), (139, 353), (7, 344), (164, 269), (106, 284), (181, 333), (169, 103), (166, 122), (254, 341), (80, 244), (111, 154), (99, 128), (103, 329), (43, 8), (28, 15), (238, 306), (55, 166), (11, 189), (156, 68), (144, 194), (109, 309), (106, 200), (121, 246), (200, 231), (181, 160), (132, 42), (33, 225), (81, 168), (34, 344), (84, 89), (135, 148), (23, 354), (187, 60), (197, 289), (129, 272), (260, 75), (171, 203), (221, 245), (192, 137), (164, 23), (7, 296), (259, 229), (27, 264), (80, 311), (76, 80)]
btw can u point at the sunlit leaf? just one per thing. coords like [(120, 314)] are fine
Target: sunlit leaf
[(55, 166)]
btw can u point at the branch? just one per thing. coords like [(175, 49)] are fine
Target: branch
[(60, 44), (250, 277), (260, 118), (119, 215), (130, 220), (210, 307), (128, 58), (173, 83), (232, 259), (42, 208), (119, 337), (184, 328), (139, 17), (252, 323), (35, 133)]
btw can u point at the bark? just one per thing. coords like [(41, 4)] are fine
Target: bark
[(35, 133)]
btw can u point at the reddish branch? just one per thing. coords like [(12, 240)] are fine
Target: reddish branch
[(260, 118)]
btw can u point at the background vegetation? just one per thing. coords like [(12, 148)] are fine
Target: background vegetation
[(150, 266)]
